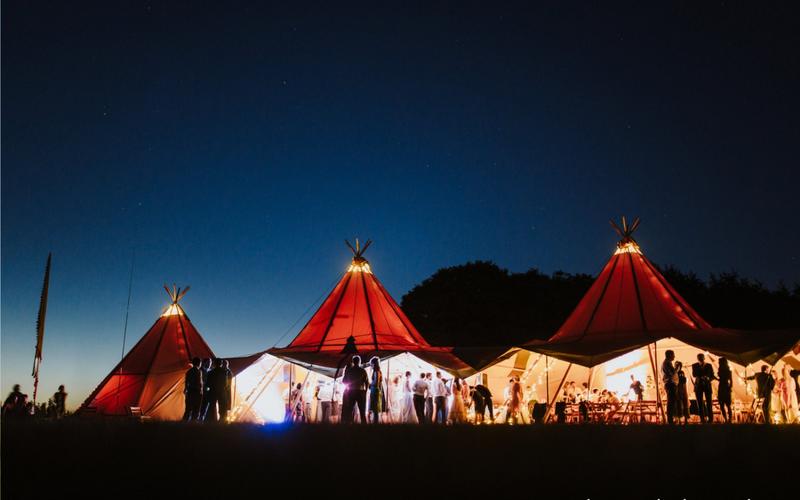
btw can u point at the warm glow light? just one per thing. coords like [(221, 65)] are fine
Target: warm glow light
[(360, 267), (629, 247), (618, 372), (173, 310)]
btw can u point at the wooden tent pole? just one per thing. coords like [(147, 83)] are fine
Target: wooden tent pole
[(388, 391), (560, 385), (658, 390), (589, 388), (547, 377), (655, 365), (289, 396)]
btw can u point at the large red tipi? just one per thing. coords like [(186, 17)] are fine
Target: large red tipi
[(151, 375), (631, 305), (360, 307)]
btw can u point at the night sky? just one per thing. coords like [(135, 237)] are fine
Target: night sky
[(235, 149)]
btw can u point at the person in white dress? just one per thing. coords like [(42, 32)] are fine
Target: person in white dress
[(408, 414), (396, 399), (788, 396)]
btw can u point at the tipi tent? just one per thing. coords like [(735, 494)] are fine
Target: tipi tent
[(358, 310), (622, 326), (359, 307), (151, 375)]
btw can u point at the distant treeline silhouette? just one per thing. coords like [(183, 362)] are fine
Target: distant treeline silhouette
[(480, 304)]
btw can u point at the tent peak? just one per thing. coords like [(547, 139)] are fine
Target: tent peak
[(359, 262), (175, 295), (626, 244)]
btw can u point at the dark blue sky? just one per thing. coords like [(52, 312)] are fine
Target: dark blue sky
[(234, 149)]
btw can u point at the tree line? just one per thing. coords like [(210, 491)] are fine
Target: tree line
[(480, 303)]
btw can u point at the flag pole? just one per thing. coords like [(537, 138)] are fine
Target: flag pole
[(37, 358)]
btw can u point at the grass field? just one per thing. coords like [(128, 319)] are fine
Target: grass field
[(109, 459)]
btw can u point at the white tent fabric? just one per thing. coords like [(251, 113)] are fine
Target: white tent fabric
[(613, 375), (262, 389)]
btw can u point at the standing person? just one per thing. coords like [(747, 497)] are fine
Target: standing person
[(439, 400), (215, 393), (670, 379), (193, 391), (348, 401), (205, 369), (429, 399), (765, 383), (296, 403), (376, 395), (486, 394), (60, 401), (395, 401), (682, 400), (408, 410), (14, 405), (703, 374), (228, 391), (637, 388), (421, 389), (515, 401), (724, 388), (788, 396), (480, 405), (458, 411), (356, 382)]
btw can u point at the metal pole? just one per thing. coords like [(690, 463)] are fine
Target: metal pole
[(658, 391)]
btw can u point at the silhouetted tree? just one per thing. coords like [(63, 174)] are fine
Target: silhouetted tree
[(481, 304)]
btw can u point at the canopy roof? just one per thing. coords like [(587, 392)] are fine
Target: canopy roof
[(151, 375), (360, 307), (631, 304)]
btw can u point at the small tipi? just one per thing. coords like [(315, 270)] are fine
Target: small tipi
[(151, 375)]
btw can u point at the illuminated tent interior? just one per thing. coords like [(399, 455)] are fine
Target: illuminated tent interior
[(358, 308), (622, 326), (151, 375), (262, 388)]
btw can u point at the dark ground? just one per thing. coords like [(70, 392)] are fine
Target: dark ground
[(106, 459)]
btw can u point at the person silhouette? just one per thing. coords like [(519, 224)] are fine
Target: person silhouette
[(703, 374), (670, 379), (217, 380), (14, 405)]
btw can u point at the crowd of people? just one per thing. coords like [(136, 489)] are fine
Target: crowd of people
[(782, 387), (430, 398), (207, 390), (433, 398), (17, 405)]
